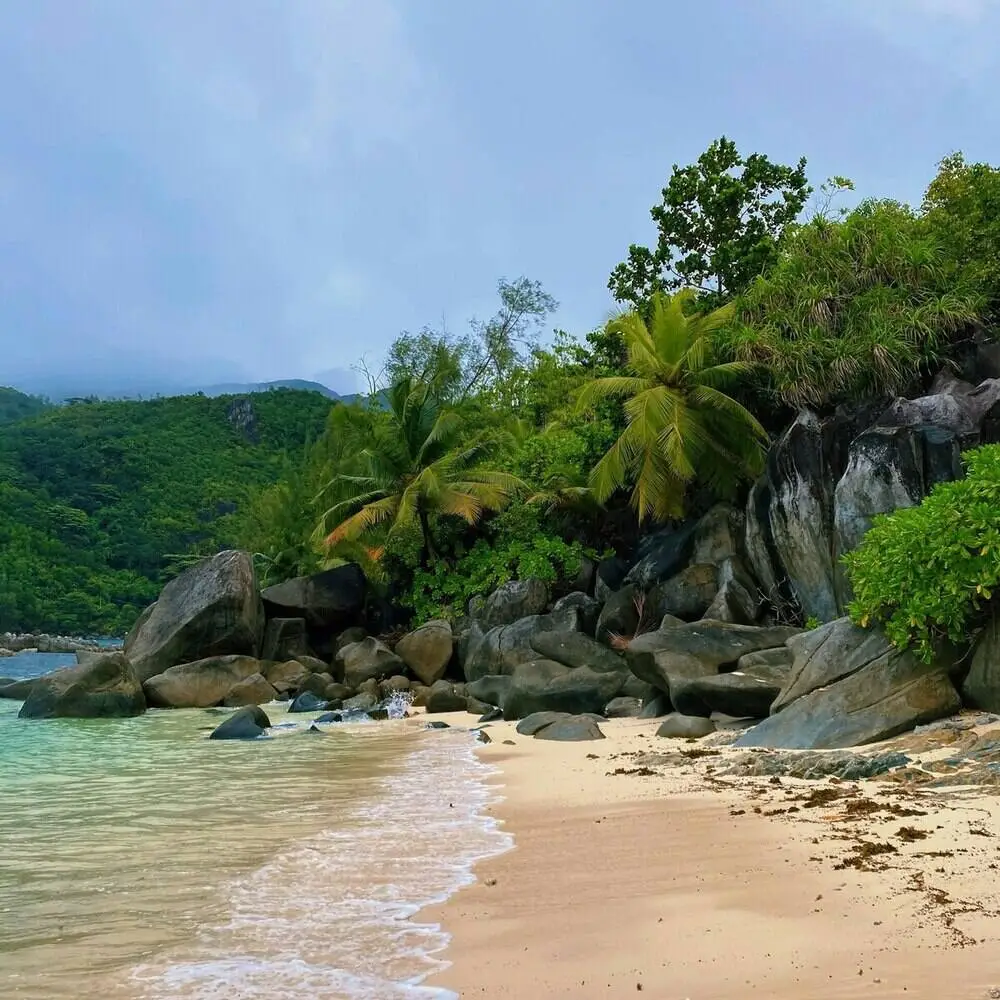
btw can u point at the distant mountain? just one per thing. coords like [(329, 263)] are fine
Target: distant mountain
[(242, 388), (16, 405)]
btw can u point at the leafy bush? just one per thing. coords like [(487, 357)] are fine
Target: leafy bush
[(854, 309), (519, 548), (923, 573)]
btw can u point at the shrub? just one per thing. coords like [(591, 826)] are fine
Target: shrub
[(923, 573)]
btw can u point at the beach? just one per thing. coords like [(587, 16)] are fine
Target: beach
[(639, 865)]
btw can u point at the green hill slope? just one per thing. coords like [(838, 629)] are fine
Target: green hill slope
[(16, 405), (100, 501)]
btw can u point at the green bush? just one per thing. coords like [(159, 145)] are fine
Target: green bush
[(924, 573), (518, 548)]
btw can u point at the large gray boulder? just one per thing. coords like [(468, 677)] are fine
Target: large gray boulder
[(686, 595), (738, 599), (211, 609), (106, 686), (330, 600), (698, 649), (253, 690), (982, 685), (743, 695), (200, 684), (619, 618), (826, 654), (544, 685), (18, 690), (574, 649), (888, 696), (287, 677), (661, 555), (573, 729), (445, 697), (369, 659), (515, 600), (717, 536), (501, 649), (492, 689), (588, 608), (285, 639), (427, 651)]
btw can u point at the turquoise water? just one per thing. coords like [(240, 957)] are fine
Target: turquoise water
[(139, 859)]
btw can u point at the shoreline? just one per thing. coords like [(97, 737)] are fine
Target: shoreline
[(636, 868)]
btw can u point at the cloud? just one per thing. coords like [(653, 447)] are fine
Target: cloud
[(190, 174)]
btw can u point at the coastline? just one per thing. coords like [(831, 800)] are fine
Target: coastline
[(638, 869)]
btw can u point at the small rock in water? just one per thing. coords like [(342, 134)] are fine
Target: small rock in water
[(483, 737), (493, 715), (247, 724), (378, 714), (437, 724), (330, 717), (314, 729), (307, 702)]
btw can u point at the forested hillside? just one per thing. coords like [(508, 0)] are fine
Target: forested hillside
[(16, 405), (100, 501)]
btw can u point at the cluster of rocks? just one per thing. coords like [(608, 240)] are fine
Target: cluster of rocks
[(692, 627), (12, 643)]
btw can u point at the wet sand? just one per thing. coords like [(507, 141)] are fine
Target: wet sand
[(667, 879)]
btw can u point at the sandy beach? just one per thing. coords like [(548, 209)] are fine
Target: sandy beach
[(641, 866)]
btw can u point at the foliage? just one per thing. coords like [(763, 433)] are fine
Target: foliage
[(16, 405), (854, 309), (415, 468), (101, 501), (961, 209), (719, 225), (923, 573), (681, 425), (516, 546)]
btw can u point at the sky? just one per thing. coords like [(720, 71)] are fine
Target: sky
[(197, 192)]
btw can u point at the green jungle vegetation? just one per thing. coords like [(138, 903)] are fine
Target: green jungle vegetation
[(498, 453), (101, 502)]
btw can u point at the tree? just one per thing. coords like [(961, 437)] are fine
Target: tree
[(854, 309), (681, 424), (415, 468), (719, 225), (961, 209)]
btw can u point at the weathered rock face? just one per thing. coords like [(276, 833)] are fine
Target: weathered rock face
[(427, 651), (285, 639), (574, 649), (737, 694), (623, 707), (445, 697), (686, 595), (610, 577), (888, 468), (738, 599), (661, 556), (620, 614), (849, 686), (17, 690), (717, 536), (104, 687), (544, 685), (513, 601), (328, 601), (307, 702), (982, 685), (699, 649), (200, 684), (501, 649), (881, 700), (573, 729), (254, 690), (677, 726), (491, 690), (588, 608), (370, 659), (247, 724), (211, 609), (286, 678)]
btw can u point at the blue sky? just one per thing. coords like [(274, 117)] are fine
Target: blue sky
[(256, 189)]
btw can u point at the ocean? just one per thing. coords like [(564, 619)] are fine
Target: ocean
[(140, 860)]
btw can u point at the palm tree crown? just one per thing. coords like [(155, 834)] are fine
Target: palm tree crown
[(681, 424), (415, 467)]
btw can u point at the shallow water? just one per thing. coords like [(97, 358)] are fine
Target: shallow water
[(138, 859)]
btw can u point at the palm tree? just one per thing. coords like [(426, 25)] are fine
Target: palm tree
[(681, 424), (415, 468)]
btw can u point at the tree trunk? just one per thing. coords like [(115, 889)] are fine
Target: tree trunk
[(427, 552)]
